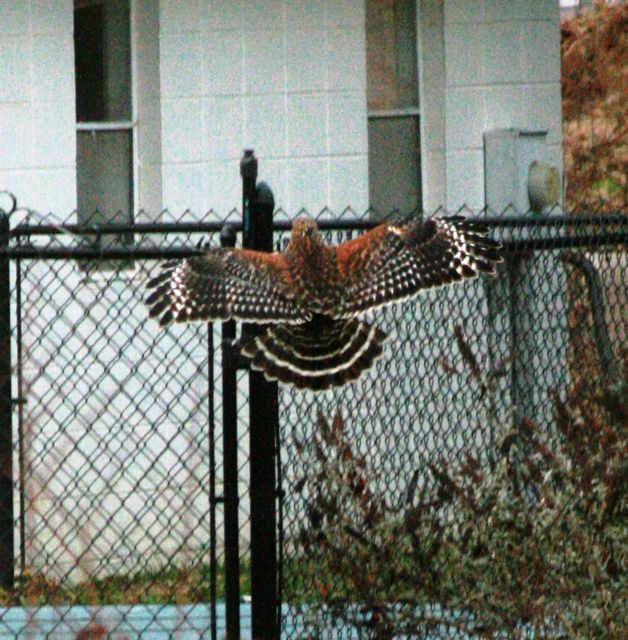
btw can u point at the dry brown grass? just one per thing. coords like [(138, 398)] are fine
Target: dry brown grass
[(594, 52)]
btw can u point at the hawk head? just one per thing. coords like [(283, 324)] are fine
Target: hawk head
[(305, 230)]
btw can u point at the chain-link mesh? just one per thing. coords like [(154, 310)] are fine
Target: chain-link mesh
[(116, 421), (419, 500), (395, 487)]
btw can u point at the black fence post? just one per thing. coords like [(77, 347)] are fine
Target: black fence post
[(213, 501), (230, 466), (248, 171), (6, 410), (258, 207)]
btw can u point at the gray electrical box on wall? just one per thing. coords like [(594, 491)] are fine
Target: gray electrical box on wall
[(517, 172)]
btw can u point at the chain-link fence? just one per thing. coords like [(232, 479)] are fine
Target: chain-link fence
[(117, 455), (420, 501), (409, 500)]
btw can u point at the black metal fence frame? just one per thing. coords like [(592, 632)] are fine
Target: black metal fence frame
[(257, 228)]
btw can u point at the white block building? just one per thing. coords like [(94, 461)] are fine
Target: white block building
[(144, 105), (207, 78)]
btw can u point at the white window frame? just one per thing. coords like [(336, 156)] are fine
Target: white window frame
[(121, 125), (380, 114)]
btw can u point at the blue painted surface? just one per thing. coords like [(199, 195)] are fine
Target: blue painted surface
[(153, 622), (149, 622)]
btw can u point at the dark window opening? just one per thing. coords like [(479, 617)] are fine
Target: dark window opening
[(104, 159), (89, 63)]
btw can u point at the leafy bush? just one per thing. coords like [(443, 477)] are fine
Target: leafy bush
[(531, 539)]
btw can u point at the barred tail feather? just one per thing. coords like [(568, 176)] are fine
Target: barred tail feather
[(315, 355)]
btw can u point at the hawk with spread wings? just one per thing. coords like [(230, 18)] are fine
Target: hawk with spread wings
[(308, 297)]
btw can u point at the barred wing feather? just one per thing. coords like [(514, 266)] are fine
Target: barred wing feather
[(222, 284), (392, 263)]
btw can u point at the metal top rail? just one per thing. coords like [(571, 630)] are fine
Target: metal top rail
[(155, 253), (575, 220), (511, 246)]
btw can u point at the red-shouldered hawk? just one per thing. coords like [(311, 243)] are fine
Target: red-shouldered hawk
[(310, 295)]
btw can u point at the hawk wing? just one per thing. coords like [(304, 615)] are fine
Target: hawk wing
[(392, 263), (223, 284)]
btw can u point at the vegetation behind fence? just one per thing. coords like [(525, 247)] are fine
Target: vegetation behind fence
[(594, 78)]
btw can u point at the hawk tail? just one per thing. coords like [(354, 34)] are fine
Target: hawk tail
[(317, 354)]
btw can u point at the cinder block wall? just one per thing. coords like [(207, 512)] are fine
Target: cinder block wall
[(285, 78), (37, 114), (486, 64)]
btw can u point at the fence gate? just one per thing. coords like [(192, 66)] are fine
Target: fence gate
[(72, 332)]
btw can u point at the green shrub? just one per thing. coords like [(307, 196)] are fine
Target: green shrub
[(532, 540)]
